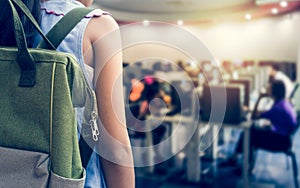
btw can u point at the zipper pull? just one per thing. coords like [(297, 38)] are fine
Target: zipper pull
[(94, 127)]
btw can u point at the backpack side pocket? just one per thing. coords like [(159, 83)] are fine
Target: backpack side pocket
[(23, 168)]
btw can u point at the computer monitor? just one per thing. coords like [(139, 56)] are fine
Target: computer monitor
[(289, 68), (247, 83), (234, 113), (182, 95), (264, 76), (254, 76)]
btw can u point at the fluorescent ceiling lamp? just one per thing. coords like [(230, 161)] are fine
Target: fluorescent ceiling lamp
[(248, 16), (283, 4), (274, 11), (179, 22), (146, 22)]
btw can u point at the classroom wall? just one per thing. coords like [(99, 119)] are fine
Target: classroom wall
[(275, 38), (270, 38)]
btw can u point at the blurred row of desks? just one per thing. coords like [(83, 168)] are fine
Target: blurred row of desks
[(195, 131)]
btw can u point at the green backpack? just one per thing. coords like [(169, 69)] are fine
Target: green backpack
[(38, 128)]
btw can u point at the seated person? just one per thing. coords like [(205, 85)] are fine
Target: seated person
[(151, 91), (171, 98), (276, 74), (283, 120)]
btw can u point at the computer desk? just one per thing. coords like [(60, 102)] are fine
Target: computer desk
[(245, 126), (192, 148), (191, 121), (193, 174)]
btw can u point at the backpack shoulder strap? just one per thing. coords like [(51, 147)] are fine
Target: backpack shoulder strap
[(64, 26), (56, 35)]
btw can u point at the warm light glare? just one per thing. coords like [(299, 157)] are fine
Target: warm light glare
[(235, 75), (180, 22), (248, 16), (274, 10), (146, 22), (283, 4)]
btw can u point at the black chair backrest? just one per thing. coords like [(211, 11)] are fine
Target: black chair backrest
[(294, 91), (297, 126)]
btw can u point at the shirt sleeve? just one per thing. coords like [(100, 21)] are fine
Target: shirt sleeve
[(269, 114)]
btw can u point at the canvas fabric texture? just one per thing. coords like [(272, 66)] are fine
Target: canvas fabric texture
[(38, 128)]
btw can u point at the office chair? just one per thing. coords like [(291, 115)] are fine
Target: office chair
[(288, 152), (294, 92)]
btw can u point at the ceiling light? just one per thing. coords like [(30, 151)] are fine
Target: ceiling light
[(283, 4), (146, 22), (179, 22), (274, 11), (248, 16)]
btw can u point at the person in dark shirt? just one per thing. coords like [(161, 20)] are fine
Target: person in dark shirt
[(276, 135)]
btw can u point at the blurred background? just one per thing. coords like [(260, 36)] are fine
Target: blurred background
[(180, 57)]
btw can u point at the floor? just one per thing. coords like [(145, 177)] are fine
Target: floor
[(270, 169)]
